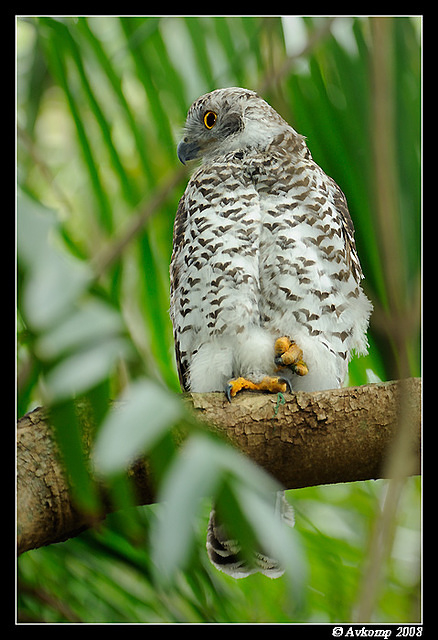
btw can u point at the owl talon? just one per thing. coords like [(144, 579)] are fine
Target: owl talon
[(269, 384), (287, 383), (300, 368), (288, 354)]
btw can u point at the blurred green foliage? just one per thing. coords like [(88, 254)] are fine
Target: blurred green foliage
[(101, 104)]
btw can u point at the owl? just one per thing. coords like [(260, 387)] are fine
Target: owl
[(265, 276)]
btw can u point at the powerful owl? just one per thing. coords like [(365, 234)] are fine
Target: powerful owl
[(265, 277)]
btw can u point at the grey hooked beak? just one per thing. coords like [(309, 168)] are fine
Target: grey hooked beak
[(187, 151)]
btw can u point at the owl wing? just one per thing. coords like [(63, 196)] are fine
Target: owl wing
[(352, 258), (178, 240)]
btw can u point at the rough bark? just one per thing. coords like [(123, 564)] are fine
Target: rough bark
[(304, 439), (45, 511)]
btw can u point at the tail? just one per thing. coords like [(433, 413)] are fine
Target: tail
[(225, 553)]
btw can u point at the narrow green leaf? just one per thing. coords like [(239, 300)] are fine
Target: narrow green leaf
[(34, 223), (127, 188), (281, 543), (193, 476), (150, 84), (153, 294), (232, 48), (91, 323), (56, 53), (52, 287), (199, 40), (53, 279), (64, 418), (146, 412), (196, 474), (116, 82), (174, 81), (82, 370)]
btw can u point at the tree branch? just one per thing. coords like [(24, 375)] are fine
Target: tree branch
[(304, 439)]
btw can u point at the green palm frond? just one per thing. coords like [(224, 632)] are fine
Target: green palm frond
[(101, 104)]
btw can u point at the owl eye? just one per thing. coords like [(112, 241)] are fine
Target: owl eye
[(210, 119)]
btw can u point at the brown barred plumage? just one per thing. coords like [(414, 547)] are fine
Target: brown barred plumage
[(263, 248)]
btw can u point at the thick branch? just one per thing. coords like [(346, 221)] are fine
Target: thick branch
[(323, 437)]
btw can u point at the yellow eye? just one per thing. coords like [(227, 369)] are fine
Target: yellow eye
[(210, 119)]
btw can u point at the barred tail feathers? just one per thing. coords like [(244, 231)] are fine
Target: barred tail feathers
[(225, 553)]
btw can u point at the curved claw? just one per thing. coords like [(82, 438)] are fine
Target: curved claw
[(278, 361), (228, 392), (287, 383)]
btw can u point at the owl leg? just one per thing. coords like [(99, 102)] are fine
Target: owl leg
[(289, 354), (270, 384)]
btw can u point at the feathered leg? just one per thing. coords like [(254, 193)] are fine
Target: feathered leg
[(225, 552)]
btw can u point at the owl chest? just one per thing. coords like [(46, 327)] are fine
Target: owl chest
[(221, 247), (243, 235)]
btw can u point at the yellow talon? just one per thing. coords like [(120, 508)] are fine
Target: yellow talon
[(270, 384), (289, 354)]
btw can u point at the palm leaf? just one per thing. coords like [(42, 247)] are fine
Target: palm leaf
[(123, 85)]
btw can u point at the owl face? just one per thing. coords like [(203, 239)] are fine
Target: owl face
[(225, 120)]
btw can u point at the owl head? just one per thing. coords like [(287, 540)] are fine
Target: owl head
[(228, 119)]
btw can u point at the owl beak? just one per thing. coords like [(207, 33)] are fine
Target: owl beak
[(187, 151)]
